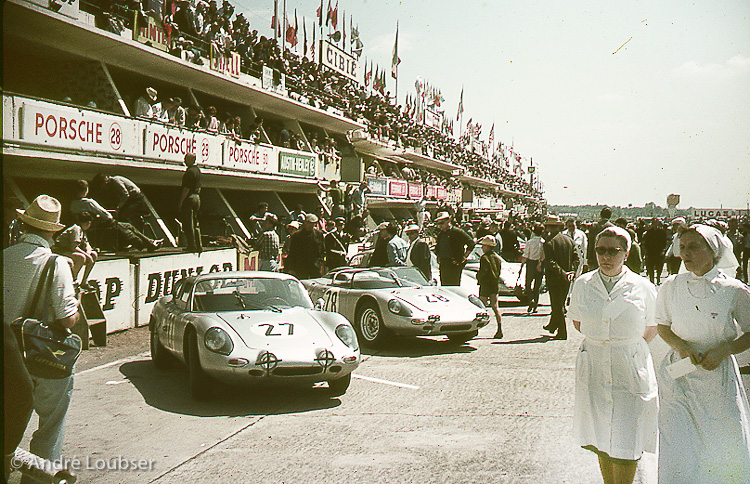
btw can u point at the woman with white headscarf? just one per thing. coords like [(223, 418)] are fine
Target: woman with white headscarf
[(616, 396), (704, 419)]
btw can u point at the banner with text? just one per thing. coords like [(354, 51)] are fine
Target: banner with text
[(398, 188), (67, 127), (296, 163), (243, 155), (338, 60), (719, 212), (150, 32), (115, 290), (229, 65), (415, 190), (170, 143), (377, 186), (155, 276)]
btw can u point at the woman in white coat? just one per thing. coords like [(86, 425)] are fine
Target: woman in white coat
[(616, 395), (704, 420)]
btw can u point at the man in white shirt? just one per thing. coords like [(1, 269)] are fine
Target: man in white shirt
[(22, 267), (533, 256), (580, 241)]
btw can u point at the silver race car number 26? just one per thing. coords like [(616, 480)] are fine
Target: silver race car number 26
[(433, 298)]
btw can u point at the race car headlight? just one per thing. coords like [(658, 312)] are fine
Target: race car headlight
[(397, 307), (218, 341), (347, 336), (476, 301)]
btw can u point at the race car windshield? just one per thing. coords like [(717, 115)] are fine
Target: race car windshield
[(387, 278), (254, 294)]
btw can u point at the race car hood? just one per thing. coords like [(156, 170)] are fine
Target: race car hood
[(431, 299), (293, 327)]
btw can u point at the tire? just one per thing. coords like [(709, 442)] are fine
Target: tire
[(199, 382), (461, 338), (160, 356), (339, 386), (369, 327)]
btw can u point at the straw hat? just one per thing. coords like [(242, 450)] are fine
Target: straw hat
[(488, 240), (311, 218), (411, 228), (43, 214)]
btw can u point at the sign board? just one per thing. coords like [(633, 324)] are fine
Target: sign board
[(433, 118), (378, 186), (67, 127), (415, 190), (273, 80), (338, 60), (247, 156), (229, 65), (296, 163), (398, 188), (248, 262), (151, 32), (155, 276), (719, 212), (171, 143), (114, 290)]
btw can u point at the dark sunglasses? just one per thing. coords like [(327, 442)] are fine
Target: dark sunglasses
[(610, 251)]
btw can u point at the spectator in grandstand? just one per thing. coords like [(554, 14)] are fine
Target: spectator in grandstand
[(144, 105), (212, 121), (176, 114), (195, 117), (255, 132)]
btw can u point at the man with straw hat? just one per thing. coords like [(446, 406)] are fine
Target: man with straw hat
[(22, 267)]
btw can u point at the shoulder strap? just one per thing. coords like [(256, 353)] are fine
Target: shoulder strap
[(47, 274)]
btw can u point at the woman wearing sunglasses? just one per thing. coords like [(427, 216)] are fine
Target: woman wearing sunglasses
[(704, 420), (616, 394)]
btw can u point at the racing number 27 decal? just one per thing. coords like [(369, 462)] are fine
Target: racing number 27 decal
[(272, 328)]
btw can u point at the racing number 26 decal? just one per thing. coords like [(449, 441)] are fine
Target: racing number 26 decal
[(431, 298), (331, 298), (278, 330)]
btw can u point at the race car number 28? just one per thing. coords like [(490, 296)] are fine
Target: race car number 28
[(331, 298)]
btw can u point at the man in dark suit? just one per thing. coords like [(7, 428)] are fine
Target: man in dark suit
[(560, 260), (452, 247)]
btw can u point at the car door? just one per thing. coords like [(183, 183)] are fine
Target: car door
[(177, 308)]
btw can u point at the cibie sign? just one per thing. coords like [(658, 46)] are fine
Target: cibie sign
[(338, 60)]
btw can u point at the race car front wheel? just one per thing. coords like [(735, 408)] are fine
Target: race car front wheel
[(369, 327), (200, 383), (339, 386)]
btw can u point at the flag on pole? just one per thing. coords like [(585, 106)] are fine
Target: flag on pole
[(335, 15), (329, 12), (343, 30), (460, 104), (319, 11), (368, 74), (304, 37), (396, 61), (492, 135)]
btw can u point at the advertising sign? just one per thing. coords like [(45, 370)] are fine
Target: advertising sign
[(441, 193), (719, 212), (247, 156), (398, 188), (155, 276), (338, 60), (415, 190), (296, 163), (378, 186), (171, 143), (150, 32), (273, 80), (67, 127), (433, 118), (229, 65), (114, 290)]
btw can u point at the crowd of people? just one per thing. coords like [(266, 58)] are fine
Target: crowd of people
[(209, 24)]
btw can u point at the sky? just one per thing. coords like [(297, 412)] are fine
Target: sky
[(617, 103)]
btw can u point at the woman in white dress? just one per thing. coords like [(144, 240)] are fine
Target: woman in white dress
[(616, 395), (704, 427)]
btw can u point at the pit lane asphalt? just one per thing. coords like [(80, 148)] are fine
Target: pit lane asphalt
[(490, 411)]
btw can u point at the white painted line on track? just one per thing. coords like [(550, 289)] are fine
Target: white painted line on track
[(113, 363), (386, 382)]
